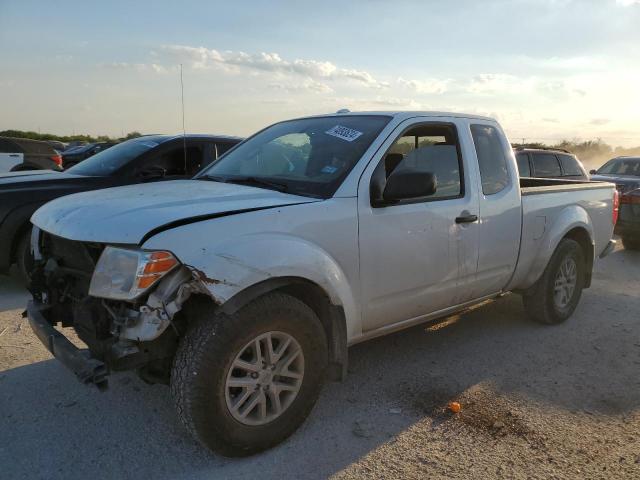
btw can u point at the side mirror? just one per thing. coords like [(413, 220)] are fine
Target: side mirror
[(152, 173), (404, 185), (593, 171)]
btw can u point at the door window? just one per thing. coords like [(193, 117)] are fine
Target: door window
[(429, 148), (222, 147), (491, 158), (546, 165), (173, 162)]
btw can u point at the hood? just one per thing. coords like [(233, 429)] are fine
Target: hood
[(624, 183), (36, 179), (126, 215)]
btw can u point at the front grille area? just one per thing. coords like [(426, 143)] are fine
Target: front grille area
[(71, 254)]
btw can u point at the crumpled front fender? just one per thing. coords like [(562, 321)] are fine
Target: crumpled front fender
[(228, 268)]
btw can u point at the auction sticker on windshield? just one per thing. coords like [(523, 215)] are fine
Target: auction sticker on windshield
[(345, 133)]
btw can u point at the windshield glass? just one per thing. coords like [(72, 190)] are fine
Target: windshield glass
[(310, 157), (108, 161), (621, 166)]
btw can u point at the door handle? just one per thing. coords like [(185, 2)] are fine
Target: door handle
[(467, 219)]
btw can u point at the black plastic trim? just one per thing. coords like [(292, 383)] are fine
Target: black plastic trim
[(88, 370)]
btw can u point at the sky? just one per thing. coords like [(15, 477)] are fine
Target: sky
[(546, 69)]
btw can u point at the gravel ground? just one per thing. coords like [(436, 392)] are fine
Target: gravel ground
[(537, 402)]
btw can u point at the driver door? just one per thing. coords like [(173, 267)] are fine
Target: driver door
[(416, 255)]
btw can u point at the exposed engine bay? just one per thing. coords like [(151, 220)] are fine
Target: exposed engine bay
[(139, 334)]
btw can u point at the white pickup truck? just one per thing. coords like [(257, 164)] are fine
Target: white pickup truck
[(243, 287)]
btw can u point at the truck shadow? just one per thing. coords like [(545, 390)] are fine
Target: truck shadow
[(55, 428)]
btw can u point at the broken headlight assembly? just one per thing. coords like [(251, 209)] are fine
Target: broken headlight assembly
[(125, 274)]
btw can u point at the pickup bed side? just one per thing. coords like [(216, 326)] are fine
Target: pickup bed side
[(555, 209)]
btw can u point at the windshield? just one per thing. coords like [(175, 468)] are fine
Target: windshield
[(621, 166), (309, 157), (108, 161)]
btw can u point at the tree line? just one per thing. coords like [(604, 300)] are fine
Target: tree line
[(66, 138)]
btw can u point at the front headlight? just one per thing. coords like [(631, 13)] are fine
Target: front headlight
[(123, 274)]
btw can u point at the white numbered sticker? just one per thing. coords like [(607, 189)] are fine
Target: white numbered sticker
[(345, 133)]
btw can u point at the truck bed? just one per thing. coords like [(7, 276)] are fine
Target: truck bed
[(534, 186), (549, 207)]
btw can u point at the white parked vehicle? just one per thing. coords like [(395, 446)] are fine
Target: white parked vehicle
[(9, 160), (243, 287)]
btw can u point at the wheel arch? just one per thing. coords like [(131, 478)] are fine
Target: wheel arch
[(572, 222), (331, 316), (582, 237)]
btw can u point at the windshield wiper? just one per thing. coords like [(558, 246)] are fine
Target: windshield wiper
[(212, 178), (258, 182), (248, 180)]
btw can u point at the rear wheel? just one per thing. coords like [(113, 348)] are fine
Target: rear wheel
[(631, 243), (245, 382), (555, 296)]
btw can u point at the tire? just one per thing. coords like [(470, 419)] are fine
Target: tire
[(22, 168), (202, 368), (23, 257), (540, 302), (631, 243)]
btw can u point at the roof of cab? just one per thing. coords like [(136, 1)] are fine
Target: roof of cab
[(404, 114), (161, 138)]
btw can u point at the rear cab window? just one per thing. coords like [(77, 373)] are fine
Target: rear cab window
[(570, 166), (546, 165), (492, 160), (523, 164)]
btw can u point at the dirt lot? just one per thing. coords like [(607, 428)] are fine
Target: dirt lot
[(537, 402)]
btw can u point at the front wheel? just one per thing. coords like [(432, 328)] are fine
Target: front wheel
[(245, 382), (554, 297), (24, 257)]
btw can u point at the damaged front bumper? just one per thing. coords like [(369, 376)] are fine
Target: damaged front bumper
[(88, 370)]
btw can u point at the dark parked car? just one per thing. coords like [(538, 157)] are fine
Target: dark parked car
[(143, 159), (59, 146), (625, 173), (75, 144), (18, 154), (543, 163), (74, 156)]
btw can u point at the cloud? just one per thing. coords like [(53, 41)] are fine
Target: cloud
[(599, 121), (628, 3), (377, 102), (204, 58), (494, 83), (138, 67), (308, 85), (561, 64), (408, 103), (432, 85)]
